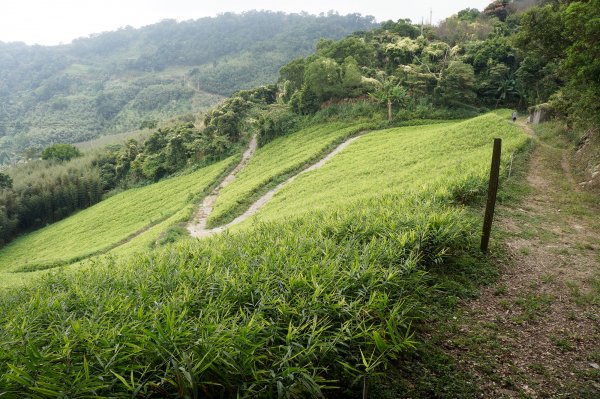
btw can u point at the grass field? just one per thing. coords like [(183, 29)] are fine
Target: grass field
[(109, 223), (444, 158), (276, 161), (318, 303)]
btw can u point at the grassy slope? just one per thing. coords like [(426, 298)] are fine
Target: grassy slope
[(400, 160), (279, 308), (107, 223), (273, 162)]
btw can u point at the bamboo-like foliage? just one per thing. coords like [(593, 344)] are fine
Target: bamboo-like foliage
[(283, 310), (305, 305), (108, 223)]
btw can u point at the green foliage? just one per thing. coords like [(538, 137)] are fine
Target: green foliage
[(309, 306), (43, 192), (402, 27), (390, 92), (582, 61), (304, 308), (323, 77), (228, 119), (513, 54), (450, 160), (357, 48), (456, 85), (275, 162), (60, 152), (305, 102), (174, 147), (468, 14), (116, 81), (561, 41), (291, 77), (276, 121), (5, 181), (109, 223), (148, 124)]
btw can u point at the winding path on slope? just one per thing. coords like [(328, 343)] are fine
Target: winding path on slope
[(197, 228)]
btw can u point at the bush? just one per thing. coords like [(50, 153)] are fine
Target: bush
[(61, 152), (275, 122)]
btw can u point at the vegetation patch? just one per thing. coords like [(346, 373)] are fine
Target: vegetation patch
[(108, 223), (303, 308), (447, 159), (275, 162), (319, 304)]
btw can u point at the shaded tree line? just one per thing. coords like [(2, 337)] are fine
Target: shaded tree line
[(45, 191)]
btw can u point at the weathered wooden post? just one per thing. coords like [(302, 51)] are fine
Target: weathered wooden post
[(491, 199)]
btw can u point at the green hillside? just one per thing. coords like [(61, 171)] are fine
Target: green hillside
[(109, 223), (275, 162), (359, 276), (310, 302), (116, 81), (450, 159)]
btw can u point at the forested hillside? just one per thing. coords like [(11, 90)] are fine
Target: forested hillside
[(131, 78), (511, 54)]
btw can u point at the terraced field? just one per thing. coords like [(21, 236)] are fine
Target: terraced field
[(275, 162), (438, 159), (133, 217)]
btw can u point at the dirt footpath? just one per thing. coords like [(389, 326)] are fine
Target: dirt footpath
[(536, 332)]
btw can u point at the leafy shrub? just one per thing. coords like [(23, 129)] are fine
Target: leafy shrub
[(275, 122), (61, 152)]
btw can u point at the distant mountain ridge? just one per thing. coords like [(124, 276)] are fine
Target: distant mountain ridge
[(117, 81)]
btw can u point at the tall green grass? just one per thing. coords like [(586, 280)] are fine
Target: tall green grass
[(283, 310), (317, 304), (452, 158), (108, 223)]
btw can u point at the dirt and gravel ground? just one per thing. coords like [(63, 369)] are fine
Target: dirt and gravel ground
[(535, 333)]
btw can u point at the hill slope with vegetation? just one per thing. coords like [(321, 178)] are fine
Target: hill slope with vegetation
[(118, 81), (334, 287), (307, 305)]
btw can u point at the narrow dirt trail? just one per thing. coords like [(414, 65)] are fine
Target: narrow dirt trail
[(536, 332), (199, 229), (197, 226)]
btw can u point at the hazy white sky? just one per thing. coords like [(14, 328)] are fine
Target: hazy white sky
[(51, 22)]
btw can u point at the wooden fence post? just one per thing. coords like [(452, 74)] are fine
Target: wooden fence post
[(491, 199)]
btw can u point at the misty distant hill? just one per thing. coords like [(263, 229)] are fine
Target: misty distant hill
[(117, 81)]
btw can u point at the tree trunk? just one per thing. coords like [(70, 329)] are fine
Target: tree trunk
[(389, 103)]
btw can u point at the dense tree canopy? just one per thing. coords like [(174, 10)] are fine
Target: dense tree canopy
[(512, 54)]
